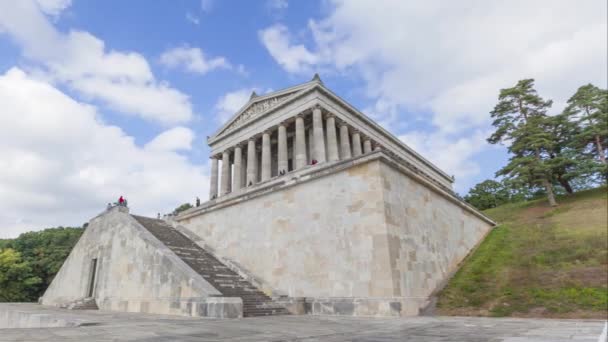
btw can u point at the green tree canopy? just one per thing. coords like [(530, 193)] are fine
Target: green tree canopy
[(487, 194), (181, 208), (588, 108), (43, 252), (17, 279), (521, 122)]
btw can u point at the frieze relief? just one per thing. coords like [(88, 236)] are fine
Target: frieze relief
[(256, 109)]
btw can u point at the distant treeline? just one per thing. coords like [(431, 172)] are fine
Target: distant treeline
[(29, 262)]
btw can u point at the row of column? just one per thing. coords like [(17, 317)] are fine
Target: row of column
[(317, 149)]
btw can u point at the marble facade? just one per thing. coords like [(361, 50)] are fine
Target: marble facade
[(331, 209)]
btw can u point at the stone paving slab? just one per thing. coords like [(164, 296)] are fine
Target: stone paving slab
[(116, 326)]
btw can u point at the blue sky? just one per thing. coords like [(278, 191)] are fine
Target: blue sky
[(101, 98)]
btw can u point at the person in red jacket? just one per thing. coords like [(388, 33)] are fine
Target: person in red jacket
[(121, 201)]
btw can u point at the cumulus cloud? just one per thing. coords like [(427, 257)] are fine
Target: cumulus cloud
[(228, 104), (192, 60), (61, 164), (53, 7), (450, 153), (292, 57), (174, 139), (122, 80), (446, 61)]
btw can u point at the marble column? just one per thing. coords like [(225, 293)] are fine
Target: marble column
[(300, 143), (344, 142), (266, 162), (225, 188), (252, 163), (332, 139), (356, 144), (367, 145), (282, 154), (238, 169), (214, 176), (319, 137), (311, 145)]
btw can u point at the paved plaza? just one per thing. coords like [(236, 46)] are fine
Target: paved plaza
[(109, 326)]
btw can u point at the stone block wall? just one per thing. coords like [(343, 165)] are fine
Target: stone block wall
[(367, 234)]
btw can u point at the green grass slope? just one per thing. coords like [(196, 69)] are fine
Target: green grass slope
[(539, 262)]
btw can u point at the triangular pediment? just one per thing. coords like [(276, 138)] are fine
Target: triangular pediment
[(258, 106)]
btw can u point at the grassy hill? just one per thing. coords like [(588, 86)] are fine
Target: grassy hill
[(539, 262)]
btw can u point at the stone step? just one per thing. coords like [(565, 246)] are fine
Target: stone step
[(220, 276)]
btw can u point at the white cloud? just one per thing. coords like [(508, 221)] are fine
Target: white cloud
[(227, 105), (192, 18), (452, 58), (450, 153), (60, 164), (53, 7), (174, 139), (448, 60), (192, 60), (122, 80), (293, 58)]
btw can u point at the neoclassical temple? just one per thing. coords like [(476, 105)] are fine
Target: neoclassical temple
[(295, 128), (313, 209)]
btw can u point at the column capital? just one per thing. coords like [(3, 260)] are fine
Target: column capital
[(255, 136), (341, 123), (330, 115), (316, 106)]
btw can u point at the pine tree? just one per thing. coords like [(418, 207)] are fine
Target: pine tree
[(588, 107), (521, 121)]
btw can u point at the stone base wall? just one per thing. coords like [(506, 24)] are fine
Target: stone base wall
[(353, 306), (367, 236), (135, 272), (215, 307)]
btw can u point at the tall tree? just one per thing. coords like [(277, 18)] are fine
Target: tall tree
[(521, 121), (588, 108), (566, 163)]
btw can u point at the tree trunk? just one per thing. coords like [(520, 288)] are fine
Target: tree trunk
[(546, 182), (565, 184), (550, 194), (600, 149)]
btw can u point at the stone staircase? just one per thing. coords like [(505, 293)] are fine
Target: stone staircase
[(226, 281), (87, 303)]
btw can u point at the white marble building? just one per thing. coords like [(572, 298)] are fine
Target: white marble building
[(316, 201)]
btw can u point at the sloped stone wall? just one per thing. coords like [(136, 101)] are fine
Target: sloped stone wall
[(135, 272), (428, 235)]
